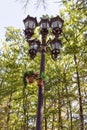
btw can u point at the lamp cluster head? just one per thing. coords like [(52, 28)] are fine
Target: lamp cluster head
[(54, 23)]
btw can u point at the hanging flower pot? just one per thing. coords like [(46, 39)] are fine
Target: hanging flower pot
[(30, 79), (40, 82), (30, 76)]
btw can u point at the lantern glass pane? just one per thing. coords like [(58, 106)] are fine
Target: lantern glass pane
[(32, 24), (26, 24), (43, 25), (58, 45), (47, 25), (53, 46), (60, 24), (35, 46), (31, 46), (54, 24)]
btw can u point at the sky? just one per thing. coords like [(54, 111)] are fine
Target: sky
[(12, 13)]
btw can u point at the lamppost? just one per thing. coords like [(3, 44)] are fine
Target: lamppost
[(55, 24)]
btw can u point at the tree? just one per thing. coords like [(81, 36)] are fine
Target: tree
[(76, 29)]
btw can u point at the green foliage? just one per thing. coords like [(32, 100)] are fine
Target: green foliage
[(43, 77), (18, 104), (28, 73)]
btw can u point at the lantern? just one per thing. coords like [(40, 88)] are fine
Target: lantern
[(44, 25), (30, 24), (34, 46), (56, 46), (56, 24)]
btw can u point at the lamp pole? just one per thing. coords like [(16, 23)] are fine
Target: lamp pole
[(41, 89), (55, 24)]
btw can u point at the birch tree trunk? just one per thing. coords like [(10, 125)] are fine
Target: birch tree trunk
[(80, 96)]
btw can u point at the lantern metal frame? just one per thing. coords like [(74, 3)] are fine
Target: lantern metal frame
[(29, 31), (55, 51), (44, 26), (34, 47), (54, 24)]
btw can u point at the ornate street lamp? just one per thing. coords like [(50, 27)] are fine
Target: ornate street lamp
[(34, 46), (56, 24), (44, 26), (56, 46), (30, 24)]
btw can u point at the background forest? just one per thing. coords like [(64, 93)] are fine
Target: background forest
[(65, 99)]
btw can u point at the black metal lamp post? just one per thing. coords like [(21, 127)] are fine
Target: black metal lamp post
[(55, 24)]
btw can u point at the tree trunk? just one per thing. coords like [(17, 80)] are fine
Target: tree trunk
[(59, 111), (65, 82), (45, 123), (69, 110), (53, 121), (24, 109), (71, 126), (80, 96), (8, 108)]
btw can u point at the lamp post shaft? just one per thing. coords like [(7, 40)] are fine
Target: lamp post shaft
[(41, 91)]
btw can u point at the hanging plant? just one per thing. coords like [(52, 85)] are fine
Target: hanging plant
[(30, 79), (30, 76), (41, 79), (40, 82)]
